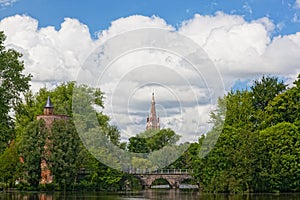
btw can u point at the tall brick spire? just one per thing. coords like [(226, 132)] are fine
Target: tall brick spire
[(152, 120)]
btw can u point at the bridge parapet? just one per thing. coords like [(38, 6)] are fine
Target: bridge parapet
[(160, 171)]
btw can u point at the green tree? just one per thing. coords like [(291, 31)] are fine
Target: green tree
[(8, 165), (239, 109), (161, 139), (257, 149), (285, 107), (138, 145), (278, 159), (64, 147), (32, 149), (185, 161), (167, 155), (33, 104), (69, 154), (229, 165), (265, 90), (152, 140), (12, 84)]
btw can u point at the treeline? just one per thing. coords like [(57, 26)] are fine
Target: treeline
[(258, 149), (26, 142), (76, 163), (257, 133), (59, 147)]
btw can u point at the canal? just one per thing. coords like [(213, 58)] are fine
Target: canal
[(141, 195)]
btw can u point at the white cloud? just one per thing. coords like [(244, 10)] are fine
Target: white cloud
[(5, 3), (242, 49), (239, 50), (51, 56), (297, 4), (131, 23), (295, 18)]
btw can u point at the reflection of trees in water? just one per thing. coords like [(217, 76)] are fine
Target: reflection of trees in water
[(146, 194), (27, 196), (171, 194)]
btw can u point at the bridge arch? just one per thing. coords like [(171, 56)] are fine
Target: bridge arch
[(173, 180), (173, 176), (162, 181)]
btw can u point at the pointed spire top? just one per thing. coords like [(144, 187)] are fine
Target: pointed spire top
[(153, 97), (48, 103)]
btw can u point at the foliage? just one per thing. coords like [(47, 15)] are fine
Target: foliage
[(152, 140), (258, 148), (265, 90), (8, 165), (12, 84), (279, 162), (64, 146), (65, 154), (32, 152)]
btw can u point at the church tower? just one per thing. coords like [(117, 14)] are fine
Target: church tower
[(48, 115), (48, 108), (152, 120)]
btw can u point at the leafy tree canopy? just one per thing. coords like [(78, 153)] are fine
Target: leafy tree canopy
[(12, 84)]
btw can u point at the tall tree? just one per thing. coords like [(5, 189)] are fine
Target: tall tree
[(12, 84), (64, 147), (278, 150), (152, 140), (238, 109), (32, 150), (68, 155), (8, 165), (285, 107), (265, 90)]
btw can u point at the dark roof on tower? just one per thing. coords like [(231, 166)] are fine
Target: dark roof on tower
[(48, 103)]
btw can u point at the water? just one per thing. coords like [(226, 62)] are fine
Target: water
[(142, 195)]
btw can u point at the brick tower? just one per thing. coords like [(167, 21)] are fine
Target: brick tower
[(49, 117), (152, 120)]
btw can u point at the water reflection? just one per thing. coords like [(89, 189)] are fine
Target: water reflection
[(147, 194)]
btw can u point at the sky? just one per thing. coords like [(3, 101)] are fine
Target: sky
[(99, 14), (188, 52)]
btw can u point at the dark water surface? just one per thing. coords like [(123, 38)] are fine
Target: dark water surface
[(147, 194)]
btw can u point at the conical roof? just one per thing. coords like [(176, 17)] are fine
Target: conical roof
[(48, 103)]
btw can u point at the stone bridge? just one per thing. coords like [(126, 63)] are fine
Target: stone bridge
[(173, 176)]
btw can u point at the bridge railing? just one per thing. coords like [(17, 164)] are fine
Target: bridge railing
[(159, 171)]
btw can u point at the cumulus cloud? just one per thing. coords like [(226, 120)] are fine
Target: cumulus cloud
[(136, 63), (50, 55), (242, 49), (131, 65), (5, 3), (131, 23)]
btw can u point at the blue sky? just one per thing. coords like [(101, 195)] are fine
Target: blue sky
[(98, 14)]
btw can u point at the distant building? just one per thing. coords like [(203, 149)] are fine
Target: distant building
[(152, 120), (49, 117)]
